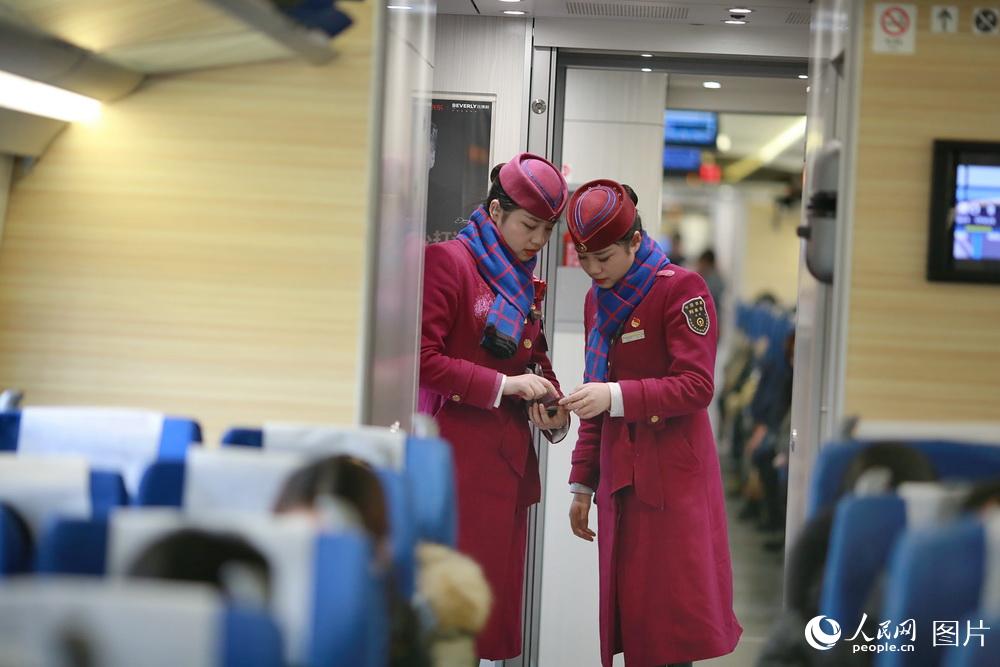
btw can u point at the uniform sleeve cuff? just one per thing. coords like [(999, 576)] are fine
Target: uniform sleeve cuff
[(617, 402), (576, 487), (503, 383)]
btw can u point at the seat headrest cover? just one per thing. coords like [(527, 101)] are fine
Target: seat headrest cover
[(116, 439), (40, 487), (288, 543), (112, 624), (929, 503), (381, 447), (236, 478)]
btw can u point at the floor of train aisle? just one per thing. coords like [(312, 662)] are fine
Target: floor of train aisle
[(757, 587)]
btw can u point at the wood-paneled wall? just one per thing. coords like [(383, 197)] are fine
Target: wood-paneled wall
[(200, 249), (917, 350)]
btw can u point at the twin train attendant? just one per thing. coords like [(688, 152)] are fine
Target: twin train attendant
[(481, 332), (645, 443)]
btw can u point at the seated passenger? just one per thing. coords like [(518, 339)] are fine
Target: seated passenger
[(341, 478), (227, 562), (451, 587), (345, 483), (983, 497)]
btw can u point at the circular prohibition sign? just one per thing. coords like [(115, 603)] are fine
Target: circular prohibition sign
[(894, 21)]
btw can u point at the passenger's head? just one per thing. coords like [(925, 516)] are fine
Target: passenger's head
[(676, 244), (606, 228), (341, 478), (983, 497), (706, 261), (893, 462), (527, 195), (765, 299), (227, 562)]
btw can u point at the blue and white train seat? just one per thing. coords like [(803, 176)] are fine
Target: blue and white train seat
[(218, 479), (426, 463), (250, 479), (118, 440), (35, 490), (326, 597), (864, 531), (948, 573), (951, 460), (123, 624)]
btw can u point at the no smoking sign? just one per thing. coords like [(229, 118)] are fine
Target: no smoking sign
[(895, 29)]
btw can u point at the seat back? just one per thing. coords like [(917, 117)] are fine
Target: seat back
[(116, 624), (864, 531), (119, 440), (382, 447), (250, 479), (426, 463), (951, 460), (935, 574), (430, 470), (324, 595), (233, 478), (43, 487), (862, 536)]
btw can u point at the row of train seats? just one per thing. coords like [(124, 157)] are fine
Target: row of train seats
[(85, 491), (912, 566)]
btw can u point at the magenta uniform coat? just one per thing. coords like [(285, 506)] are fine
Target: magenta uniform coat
[(496, 468), (666, 590)]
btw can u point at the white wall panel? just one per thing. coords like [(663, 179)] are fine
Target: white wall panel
[(478, 54), (614, 129), (615, 96)]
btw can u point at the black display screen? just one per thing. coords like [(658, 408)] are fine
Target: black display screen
[(964, 240)]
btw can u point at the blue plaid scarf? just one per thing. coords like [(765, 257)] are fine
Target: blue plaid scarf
[(615, 305), (508, 277)]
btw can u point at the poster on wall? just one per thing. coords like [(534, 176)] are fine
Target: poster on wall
[(460, 161)]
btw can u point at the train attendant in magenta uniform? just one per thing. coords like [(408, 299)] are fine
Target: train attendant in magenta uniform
[(645, 443), (485, 375)]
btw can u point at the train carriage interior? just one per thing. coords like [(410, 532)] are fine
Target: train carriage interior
[(215, 448)]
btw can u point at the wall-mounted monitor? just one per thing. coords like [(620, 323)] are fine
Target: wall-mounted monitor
[(964, 239), (690, 128), (681, 159)]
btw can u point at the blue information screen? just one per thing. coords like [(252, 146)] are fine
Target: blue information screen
[(680, 158), (976, 232), (691, 128)]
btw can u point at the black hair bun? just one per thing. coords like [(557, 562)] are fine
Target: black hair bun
[(496, 172), (631, 194)]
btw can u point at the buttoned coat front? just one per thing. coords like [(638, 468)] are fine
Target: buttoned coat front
[(496, 467), (665, 572)]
